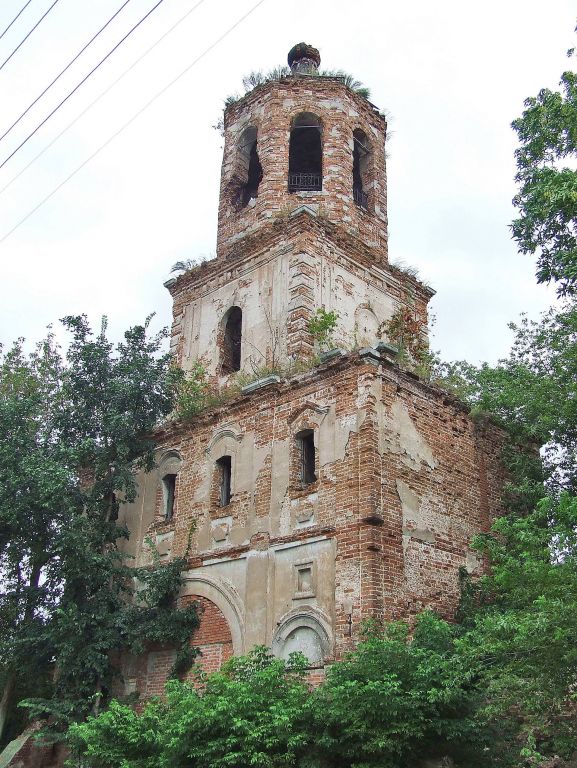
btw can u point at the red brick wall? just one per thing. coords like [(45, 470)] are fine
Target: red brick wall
[(213, 637), (151, 671), (385, 566)]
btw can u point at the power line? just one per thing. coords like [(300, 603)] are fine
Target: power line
[(100, 96), (59, 75), (21, 43), (132, 119), (76, 87), (15, 18)]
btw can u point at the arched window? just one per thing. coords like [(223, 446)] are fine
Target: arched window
[(361, 168), (232, 340), (168, 468), (248, 171), (168, 492), (305, 153)]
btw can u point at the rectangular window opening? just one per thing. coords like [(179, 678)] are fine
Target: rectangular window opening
[(307, 450), (169, 487), (225, 467)]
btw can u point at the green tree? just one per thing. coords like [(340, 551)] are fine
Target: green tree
[(250, 714), (521, 631), (547, 197), (37, 495), (75, 432), (395, 700)]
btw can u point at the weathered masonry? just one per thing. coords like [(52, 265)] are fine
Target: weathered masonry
[(346, 491)]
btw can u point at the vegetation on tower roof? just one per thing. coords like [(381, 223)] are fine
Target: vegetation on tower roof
[(253, 79)]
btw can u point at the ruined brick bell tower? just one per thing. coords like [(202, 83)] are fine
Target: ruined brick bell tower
[(323, 490)]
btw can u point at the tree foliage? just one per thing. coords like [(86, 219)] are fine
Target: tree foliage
[(520, 617), (245, 715), (547, 197), (74, 431), (395, 700), (521, 629)]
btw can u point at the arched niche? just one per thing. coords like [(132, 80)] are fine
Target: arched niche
[(305, 153), (367, 327), (306, 630)]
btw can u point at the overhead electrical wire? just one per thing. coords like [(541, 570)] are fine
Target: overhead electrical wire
[(21, 43), (67, 67), (76, 87), (151, 101), (100, 96), (15, 18)]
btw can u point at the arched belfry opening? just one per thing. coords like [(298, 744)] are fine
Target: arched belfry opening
[(305, 154), (361, 168), (248, 171), (231, 341)]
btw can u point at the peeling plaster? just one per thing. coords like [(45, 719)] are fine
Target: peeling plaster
[(414, 526), (344, 428), (473, 563), (401, 436)]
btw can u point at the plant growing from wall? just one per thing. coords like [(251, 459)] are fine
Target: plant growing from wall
[(404, 330), (256, 78), (191, 389), (321, 327)]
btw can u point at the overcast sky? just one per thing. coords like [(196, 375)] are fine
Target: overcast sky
[(452, 75)]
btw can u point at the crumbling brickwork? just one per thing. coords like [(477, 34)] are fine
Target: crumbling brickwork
[(373, 517), (271, 109), (404, 481)]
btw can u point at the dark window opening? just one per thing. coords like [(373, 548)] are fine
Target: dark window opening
[(232, 341), (361, 155), (254, 177), (306, 443), (169, 487), (305, 154), (113, 507), (249, 170), (224, 465)]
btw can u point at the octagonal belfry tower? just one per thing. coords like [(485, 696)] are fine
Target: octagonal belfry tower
[(305, 140), (320, 489)]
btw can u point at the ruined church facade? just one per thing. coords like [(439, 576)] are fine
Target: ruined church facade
[(321, 490)]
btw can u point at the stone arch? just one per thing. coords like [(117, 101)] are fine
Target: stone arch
[(223, 595), (315, 411), (227, 433), (304, 629)]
